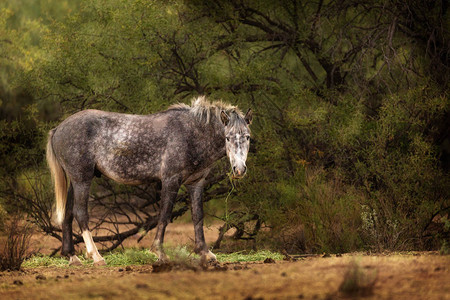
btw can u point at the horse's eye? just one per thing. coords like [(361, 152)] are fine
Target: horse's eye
[(228, 139), (247, 137)]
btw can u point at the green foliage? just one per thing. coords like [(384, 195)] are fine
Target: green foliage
[(350, 135), (20, 144), (400, 171), (445, 248)]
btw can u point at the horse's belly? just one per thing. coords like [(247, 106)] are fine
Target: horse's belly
[(127, 172)]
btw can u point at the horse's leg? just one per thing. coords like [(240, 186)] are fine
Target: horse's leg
[(80, 211), (195, 193), (67, 239), (169, 193)]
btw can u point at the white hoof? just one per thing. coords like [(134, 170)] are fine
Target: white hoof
[(162, 257), (208, 256), (74, 261)]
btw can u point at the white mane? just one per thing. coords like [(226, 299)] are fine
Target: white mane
[(202, 109)]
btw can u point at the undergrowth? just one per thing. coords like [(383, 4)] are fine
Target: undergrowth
[(13, 250)]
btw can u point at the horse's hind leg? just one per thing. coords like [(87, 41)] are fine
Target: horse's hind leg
[(80, 211), (67, 240)]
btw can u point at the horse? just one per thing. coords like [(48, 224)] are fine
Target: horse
[(178, 146)]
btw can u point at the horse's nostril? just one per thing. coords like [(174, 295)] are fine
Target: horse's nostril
[(234, 169), (245, 170)]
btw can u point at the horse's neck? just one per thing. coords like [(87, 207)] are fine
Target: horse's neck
[(216, 137)]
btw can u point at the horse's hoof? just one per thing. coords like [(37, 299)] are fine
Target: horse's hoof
[(208, 257), (74, 261), (163, 259), (100, 263)]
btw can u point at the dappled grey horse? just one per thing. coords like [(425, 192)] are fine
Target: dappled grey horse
[(177, 146)]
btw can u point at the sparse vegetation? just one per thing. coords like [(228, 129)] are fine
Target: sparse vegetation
[(134, 256), (249, 256), (130, 257), (17, 233), (37, 261), (358, 281)]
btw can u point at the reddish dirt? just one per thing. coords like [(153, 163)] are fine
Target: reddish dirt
[(417, 275)]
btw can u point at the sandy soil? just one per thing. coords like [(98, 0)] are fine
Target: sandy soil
[(407, 276), (418, 275)]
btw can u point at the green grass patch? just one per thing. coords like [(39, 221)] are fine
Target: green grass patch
[(248, 256), (130, 256), (133, 256), (125, 257), (45, 261)]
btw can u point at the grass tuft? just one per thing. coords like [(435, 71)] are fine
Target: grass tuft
[(357, 281), (45, 261), (131, 256), (241, 256)]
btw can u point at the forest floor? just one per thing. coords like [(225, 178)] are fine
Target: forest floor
[(412, 275)]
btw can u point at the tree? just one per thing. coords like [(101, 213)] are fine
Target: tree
[(351, 101)]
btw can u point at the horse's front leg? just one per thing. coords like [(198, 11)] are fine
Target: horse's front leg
[(169, 192), (196, 192)]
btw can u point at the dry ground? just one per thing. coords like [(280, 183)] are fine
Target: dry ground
[(411, 276), (419, 275)]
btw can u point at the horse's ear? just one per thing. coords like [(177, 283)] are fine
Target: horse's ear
[(249, 116), (224, 118)]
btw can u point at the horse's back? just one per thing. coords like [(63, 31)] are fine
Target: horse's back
[(127, 148), (92, 124)]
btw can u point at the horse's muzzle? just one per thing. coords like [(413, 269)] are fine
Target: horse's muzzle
[(238, 173)]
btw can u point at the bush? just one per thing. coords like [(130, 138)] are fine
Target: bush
[(17, 241), (335, 178), (399, 172), (315, 214)]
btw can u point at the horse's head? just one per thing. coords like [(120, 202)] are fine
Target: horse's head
[(237, 143)]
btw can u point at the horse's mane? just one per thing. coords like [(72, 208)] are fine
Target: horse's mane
[(202, 109)]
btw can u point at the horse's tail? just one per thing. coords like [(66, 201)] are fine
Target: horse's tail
[(59, 179)]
